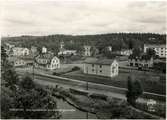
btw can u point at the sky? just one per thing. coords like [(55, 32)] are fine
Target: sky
[(80, 17)]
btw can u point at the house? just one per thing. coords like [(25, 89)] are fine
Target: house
[(47, 61), (63, 51), (9, 46), (126, 52), (34, 50), (67, 52), (87, 50), (141, 61), (160, 50), (17, 62), (109, 48), (18, 51), (102, 67), (44, 49)]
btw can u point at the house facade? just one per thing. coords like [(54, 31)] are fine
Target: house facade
[(18, 51), (47, 61), (103, 67), (160, 50)]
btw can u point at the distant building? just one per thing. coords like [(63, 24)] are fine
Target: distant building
[(126, 52), (109, 48), (9, 46), (102, 67), (160, 50), (47, 61), (67, 52), (18, 51), (34, 49), (17, 62), (142, 61), (44, 50), (63, 51), (61, 45), (87, 50)]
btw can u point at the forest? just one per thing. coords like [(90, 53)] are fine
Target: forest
[(118, 41)]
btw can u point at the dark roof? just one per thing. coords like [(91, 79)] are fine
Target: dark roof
[(99, 61)]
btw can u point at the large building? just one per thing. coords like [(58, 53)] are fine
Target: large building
[(160, 50), (18, 51), (47, 61), (102, 67)]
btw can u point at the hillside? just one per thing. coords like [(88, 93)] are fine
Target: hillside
[(116, 40)]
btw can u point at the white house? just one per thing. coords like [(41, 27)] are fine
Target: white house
[(47, 61), (102, 67), (18, 51), (67, 52), (44, 49), (109, 48), (126, 52), (87, 50), (160, 50), (63, 51)]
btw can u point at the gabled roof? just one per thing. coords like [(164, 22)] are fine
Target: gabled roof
[(47, 56), (99, 61)]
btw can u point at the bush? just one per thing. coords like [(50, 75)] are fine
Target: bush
[(98, 96), (78, 92), (57, 74), (75, 68)]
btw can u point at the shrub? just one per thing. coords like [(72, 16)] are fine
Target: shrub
[(75, 68), (98, 96), (57, 74)]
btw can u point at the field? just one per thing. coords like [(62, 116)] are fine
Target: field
[(151, 82)]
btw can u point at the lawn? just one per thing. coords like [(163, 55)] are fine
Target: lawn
[(151, 82)]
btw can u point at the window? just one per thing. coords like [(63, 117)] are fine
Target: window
[(100, 66), (92, 70), (92, 65), (100, 70), (136, 64), (131, 64), (113, 69), (146, 65)]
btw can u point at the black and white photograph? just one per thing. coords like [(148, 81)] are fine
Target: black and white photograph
[(83, 59)]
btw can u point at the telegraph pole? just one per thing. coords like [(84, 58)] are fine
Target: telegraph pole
[(87, 116), (33, 66)]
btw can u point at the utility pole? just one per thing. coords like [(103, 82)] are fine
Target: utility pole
[(87, 116), (33, 66)]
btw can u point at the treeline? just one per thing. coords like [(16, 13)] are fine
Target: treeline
[(116, 40)]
